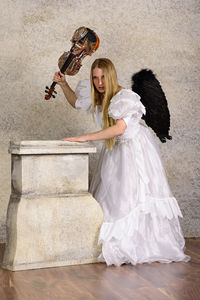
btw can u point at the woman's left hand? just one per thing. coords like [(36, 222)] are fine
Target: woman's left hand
[(107, 133), (80, 138)]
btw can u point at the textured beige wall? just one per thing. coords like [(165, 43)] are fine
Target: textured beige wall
[(161, 35)]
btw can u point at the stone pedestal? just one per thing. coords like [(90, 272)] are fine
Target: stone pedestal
[(52, 220)]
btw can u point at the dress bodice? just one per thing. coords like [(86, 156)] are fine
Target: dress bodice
[(124, 105)]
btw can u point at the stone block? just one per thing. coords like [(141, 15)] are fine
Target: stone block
[(56, 173), (52, 220), (52, 231)]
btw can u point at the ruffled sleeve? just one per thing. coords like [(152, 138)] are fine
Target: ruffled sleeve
[(83, 94), (126, 105)]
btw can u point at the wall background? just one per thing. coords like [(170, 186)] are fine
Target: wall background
[(162, 35)]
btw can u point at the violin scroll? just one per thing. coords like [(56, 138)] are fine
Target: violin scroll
[(50, 92)]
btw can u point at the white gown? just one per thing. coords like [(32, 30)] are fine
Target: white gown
[(140, 213)]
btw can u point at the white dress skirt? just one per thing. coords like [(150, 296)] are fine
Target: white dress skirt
[(141, 222)]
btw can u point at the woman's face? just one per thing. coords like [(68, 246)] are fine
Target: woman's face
[(98, 80)]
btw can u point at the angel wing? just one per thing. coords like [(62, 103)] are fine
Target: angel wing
[(145, 84)]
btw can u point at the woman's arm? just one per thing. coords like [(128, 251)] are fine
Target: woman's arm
[(108, 133), (68, 92)]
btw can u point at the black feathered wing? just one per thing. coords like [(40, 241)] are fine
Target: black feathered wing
[(157, 116)]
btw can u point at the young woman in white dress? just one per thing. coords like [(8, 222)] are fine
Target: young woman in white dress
[(140, 213)]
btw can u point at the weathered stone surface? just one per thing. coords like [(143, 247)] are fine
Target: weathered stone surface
[(56, 174), (52, 220), (50, 147), (52, 231)]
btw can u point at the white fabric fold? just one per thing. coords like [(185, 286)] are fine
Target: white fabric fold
[(126, 104), (161, 208), (142, 238), (83, 94)]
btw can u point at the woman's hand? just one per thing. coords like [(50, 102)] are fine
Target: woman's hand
[(104, 134), (81, 138), (59, 78), (70, 95)]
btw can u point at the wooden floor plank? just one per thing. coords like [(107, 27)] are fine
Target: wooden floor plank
[(156, 281)]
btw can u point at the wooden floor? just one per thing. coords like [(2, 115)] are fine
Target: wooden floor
[(154, 281)]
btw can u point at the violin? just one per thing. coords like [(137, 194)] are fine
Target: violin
[(84, 42)]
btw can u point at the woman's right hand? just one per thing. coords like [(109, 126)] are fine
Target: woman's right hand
[(59, 78), (70, 95)]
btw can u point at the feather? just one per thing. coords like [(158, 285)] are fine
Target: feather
[(157, 116)]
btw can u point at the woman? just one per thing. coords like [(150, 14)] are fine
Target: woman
[(140, 213)]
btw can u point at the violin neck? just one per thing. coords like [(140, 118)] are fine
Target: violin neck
[(67, 63), (53, 85), (63, 69)]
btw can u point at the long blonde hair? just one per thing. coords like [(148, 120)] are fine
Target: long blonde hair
[(111, 88)]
